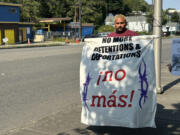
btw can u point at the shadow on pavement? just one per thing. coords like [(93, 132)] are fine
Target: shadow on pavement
[(171, 84), (167, 122)]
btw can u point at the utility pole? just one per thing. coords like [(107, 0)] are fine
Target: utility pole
[(22, 19), (75, 14), (157, 28), (80, 22)]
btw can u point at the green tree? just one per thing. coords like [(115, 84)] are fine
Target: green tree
[(164, 18), (52, 8), (105, 28), (71, 8), (137, 5), (5, 1), (127, 9), (116, 7), (93, 11), (10, 1), (30, 10), (175, 17), (150, 17)]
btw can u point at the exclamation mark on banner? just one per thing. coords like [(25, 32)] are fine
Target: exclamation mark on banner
[(131, 98), (99, 78)]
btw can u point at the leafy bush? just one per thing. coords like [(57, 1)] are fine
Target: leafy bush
[(144, 33), (60, 39), (105, 28), (63, 39)]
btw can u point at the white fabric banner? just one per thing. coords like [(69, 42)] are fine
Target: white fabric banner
[(175, 56), (117, 82)]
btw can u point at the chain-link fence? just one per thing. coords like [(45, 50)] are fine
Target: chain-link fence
[(57, 34)]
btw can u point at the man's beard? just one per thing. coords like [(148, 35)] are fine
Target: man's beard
[(120, 30)]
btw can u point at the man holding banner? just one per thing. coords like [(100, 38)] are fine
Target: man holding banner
[(117, 79)]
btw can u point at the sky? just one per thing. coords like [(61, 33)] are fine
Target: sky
[(168, 4)]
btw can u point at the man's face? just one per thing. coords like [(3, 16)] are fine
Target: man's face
[(120, 24)]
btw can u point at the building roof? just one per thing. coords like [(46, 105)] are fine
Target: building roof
[(22, 23), (77, 25), (87, 24), (173, 10), (135, 18), (26, 23), (52, 20), (8, 22), (10, 4), (84, 24), (172, 24)]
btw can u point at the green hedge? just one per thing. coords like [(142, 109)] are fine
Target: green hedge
[(104, 28)]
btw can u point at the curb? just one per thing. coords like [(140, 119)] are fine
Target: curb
[(47, 44)]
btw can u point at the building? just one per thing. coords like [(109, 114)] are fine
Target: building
[(11, 29), (64, 27), (138, 23), (86, 29), (109, 20), (171, 27), (171, 11)]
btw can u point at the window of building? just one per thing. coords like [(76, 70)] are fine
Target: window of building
[(12, 10)]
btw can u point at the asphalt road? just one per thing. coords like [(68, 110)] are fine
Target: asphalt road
[(36, 82)]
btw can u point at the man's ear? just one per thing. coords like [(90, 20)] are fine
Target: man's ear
[(126, 23)]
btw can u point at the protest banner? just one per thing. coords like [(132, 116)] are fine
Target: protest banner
[(175, 56), (117, 82)]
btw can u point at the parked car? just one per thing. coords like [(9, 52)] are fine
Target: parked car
[(166, 34), (89, 36), (103, 34)]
